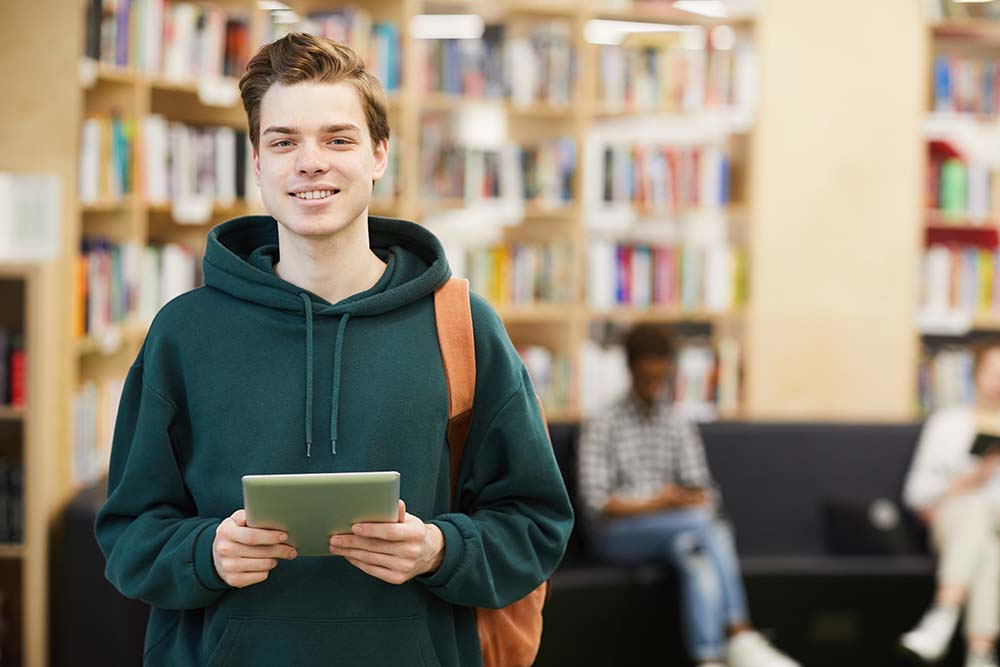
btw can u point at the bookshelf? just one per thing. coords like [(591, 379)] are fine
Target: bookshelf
[(959, 296)]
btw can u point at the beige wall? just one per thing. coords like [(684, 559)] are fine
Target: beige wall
[(836, 204)]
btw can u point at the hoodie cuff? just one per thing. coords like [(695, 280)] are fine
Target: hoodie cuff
[(454, 548), (204, 564)]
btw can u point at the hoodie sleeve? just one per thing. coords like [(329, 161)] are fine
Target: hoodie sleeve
[(516, 515), (157, 549)]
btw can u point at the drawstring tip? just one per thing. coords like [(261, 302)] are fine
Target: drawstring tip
[(308, 449), (333, 447)]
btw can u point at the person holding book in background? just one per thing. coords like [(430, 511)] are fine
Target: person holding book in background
[(312, 347), (649, 498), (954, 486)]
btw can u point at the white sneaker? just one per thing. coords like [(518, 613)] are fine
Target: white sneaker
[(980, 660), (929, 640), (750, 649)]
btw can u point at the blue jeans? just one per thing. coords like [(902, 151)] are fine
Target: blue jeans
[(701, 548)]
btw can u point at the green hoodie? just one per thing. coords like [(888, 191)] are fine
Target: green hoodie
[(252, 375)]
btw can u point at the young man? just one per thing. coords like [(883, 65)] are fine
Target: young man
[(649, 499), (958, 495), (313, 348)]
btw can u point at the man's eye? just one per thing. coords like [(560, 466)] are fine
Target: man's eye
[(277, 144)]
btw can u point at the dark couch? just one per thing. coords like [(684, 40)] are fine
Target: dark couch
[(775, 478), (826, 609)]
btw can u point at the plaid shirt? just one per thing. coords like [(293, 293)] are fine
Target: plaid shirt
[(624, 452)]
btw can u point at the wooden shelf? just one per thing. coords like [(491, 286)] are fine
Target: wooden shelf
[(109, 206), (11, 413), (19, 270), (534, 211), (665, 14), (983, 31), (986, 322), (12, 551), (537, 313), (661, 315), (118, 338), (938, 220)]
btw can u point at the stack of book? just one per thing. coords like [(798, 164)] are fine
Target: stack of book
[(179, 40), (522, 273), (551, 374), (548, 169), (106, 159), (663, 178), (664, 74), (945, 378), (688, 277), (95, 412), (966, 84), (959, 187), (961, 278), (118, 282)]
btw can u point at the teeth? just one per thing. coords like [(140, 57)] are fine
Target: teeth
[(315, 194)]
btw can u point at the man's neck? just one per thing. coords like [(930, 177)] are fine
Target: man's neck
[(334, 267)]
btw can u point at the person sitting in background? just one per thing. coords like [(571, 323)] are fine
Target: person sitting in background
[(957, 494), (649, 498)]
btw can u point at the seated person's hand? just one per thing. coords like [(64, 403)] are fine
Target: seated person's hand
[(244, 556), (392, 552), (673, 495)]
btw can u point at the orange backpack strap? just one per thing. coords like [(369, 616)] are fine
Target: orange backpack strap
[(453, 314)]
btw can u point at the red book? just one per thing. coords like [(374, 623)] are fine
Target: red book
[(18, 374)]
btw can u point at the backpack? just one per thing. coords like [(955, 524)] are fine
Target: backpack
[(510, 636)]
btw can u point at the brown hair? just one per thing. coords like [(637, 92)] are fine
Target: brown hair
[(648, 340), (981, 348), (299, 57)]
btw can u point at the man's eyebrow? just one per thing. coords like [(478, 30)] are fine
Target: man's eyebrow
[(326, 129)]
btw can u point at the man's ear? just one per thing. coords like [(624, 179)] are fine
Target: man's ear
[(256, 165), (381, 151)]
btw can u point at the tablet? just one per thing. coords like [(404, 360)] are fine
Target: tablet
[(313, 506)]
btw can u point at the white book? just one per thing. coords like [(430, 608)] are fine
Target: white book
[(179, 51), (177, 272), (225, 166), (152, 42), (729, 375), (155, 159), (523, 71), (937, 278), (601, 270), (718, 278), (89, 178), (642, 277), (710, 178), (212, 42), (978, 191)]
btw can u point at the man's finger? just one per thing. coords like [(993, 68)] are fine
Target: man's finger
[(283, 551), (372, 544), (388, 576), (371, 558), (240, 517), (402, 511), (257, 536), (251, 565), (394, 532)]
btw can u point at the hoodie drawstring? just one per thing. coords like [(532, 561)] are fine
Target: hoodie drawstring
[(335, 400), (307, 305)]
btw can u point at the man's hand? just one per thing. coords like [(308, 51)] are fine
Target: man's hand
[(392, 552), (244, 556), (673, 495)]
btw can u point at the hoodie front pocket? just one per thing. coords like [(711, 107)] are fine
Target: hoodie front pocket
[(348, 642)]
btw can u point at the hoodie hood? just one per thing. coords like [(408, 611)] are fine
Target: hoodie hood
[(239, 261)]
